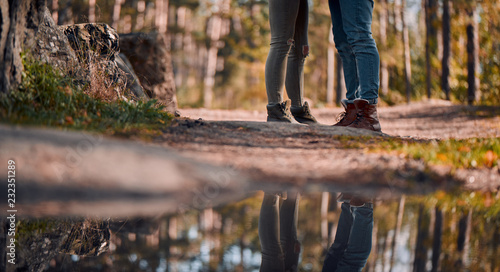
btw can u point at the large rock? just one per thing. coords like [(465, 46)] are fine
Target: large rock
[(49, 44), (133, 82), (152, 63), (27, 26), (97, 48), (93, 40)]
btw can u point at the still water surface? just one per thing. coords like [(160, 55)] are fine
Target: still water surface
[(442, 232)]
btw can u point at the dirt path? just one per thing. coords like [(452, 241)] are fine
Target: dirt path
[(431, 119), (199, 163), (309, 158)]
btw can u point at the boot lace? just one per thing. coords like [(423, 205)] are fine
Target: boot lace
[(358, 119), (307, 111), (341, 116), (285, 111)]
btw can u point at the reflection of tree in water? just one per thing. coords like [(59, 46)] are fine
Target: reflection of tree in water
[(458, 231)]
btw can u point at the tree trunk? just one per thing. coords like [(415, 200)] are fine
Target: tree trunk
[(92, 11), (10, 61), (463, 240), (14, 33), (472, 56), (215, 31), (372, 261), (428, 27), (399, 222), (406, 52), (438, 233), (445, 63), (117, 7), (384, 72), (139, 21), (385, 252), (495, 245), (422, 236), (397, 16), (161, 16), (330, 82)]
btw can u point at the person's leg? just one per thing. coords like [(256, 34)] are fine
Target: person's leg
[(360, 242), (357, 21), (295, 68), (282, 17), (345, 51), (300, 50), (289, 214), (269, 234), (336, 250)]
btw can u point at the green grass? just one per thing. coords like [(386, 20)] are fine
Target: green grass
[(48, 98), (465, 153)]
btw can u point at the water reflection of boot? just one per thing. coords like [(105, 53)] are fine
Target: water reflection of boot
[(355, 200)]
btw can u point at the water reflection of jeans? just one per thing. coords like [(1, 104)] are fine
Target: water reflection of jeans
[(289, 48), (353, 241), (278, 233), (352, 20)]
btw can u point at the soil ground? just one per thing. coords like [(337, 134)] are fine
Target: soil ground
[(228, 153), (308, 157)]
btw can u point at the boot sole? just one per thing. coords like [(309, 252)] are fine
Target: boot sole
[(270, 119)]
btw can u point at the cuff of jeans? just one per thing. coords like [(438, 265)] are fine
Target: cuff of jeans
[(372, 101)]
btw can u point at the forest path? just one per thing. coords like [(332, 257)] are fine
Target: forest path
[(311, 157), (434, 119), (201, 163)]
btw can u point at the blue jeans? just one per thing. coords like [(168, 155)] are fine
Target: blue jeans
[(353, 240), (289, 48), (352, 21)]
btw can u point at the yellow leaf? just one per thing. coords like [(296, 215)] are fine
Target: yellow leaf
[(441, 157)]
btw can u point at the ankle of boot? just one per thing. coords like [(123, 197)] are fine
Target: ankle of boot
[(371, 101)]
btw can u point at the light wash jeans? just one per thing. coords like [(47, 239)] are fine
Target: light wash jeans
[(353, 240), (289, 48), (352, 21), (278, 233)]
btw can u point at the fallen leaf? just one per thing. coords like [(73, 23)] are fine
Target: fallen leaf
[(441, 157), (464, 149), (69, 120), (489, 158)]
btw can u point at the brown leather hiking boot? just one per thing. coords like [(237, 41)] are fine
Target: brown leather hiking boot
[(355, 200), (348, 116), (367, 117), (303, 114)]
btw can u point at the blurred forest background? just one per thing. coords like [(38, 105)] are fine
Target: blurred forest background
[(446, 49)]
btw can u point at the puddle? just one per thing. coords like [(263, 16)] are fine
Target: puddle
[(443, 231)]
